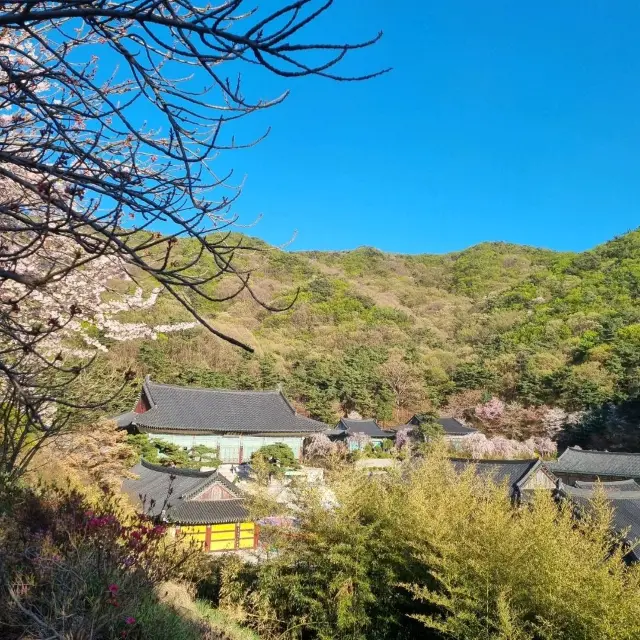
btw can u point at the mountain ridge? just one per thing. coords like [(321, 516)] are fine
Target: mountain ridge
[(387, 334)]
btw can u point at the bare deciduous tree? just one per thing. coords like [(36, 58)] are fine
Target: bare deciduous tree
[(111, 116)]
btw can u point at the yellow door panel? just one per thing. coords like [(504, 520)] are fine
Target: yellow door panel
[(194, 529), (222, 545), (246, 526), (245, 543), (223, 535), (223, 527)]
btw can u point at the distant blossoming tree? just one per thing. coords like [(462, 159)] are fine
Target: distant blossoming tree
[(403, 438), (492, 410), (111, 115), (358, 441), (545, 447), (478, 446), (320, 447), (556, 419)]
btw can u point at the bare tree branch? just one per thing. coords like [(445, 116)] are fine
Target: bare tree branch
[(112, 115)]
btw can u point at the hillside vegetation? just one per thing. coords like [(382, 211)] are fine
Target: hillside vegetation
[(387, 334)]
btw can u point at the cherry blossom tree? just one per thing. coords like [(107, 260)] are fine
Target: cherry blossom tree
[(491, 410), (403, 438), (320, 447), (112, 118), (358, 441), (544, 446), (478, 447), (556, 419)]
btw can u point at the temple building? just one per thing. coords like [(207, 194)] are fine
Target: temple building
[(203, 505), (236, 423), (453, 430), (521, 477), (366, 427)]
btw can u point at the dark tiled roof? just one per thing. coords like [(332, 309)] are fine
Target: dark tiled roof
[(157, 489), (608, 487), (598, 463), (513, 472), (451, 426), (368, 426), (625, 501), (124, 419), (217, 411), (213, 512)]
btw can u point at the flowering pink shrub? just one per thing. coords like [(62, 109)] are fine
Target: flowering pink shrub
[(476, 445), (99, 563), (501, 447)]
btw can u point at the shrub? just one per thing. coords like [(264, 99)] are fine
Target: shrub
[(159, 452), (273, 460), (88, 571)]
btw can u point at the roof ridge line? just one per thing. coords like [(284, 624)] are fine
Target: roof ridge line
[(215, 389), (608, 482), (280, 392), (147, 390), (608, 453), (610, 495)]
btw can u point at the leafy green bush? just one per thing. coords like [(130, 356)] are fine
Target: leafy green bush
[(272, 460)]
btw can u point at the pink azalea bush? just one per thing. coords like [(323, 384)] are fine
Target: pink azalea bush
[(99, 563)]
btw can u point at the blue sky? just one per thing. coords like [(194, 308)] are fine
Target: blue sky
[(501, 120)]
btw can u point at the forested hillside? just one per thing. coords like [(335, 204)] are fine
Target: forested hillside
[(387, 335)]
